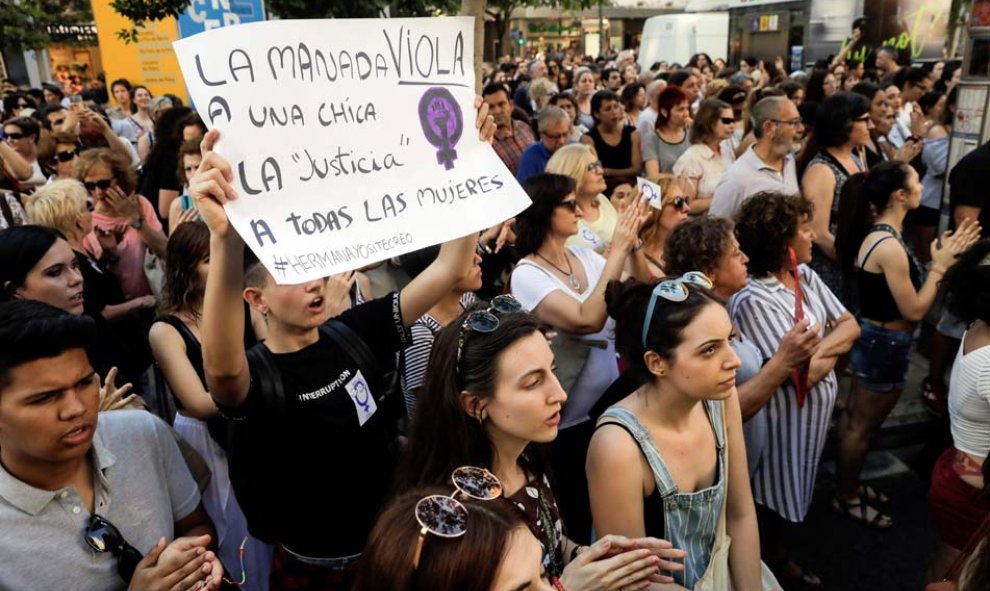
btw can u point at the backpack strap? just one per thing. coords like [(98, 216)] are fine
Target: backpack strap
[(355, 347), (269, 378)]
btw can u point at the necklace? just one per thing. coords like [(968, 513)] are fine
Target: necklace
[(571, 279)]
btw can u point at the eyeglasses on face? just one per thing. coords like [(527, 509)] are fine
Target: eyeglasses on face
[(446, 517), (556, 137), (673, 290), (102, 185), (485, 321), (595, 166), (795, 122)]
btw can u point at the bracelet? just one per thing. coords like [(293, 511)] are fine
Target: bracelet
[(557, 584)]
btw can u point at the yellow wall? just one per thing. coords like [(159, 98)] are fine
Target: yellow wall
[(150, 61)]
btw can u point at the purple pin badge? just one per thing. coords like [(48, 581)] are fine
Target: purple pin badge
[(442, 122)]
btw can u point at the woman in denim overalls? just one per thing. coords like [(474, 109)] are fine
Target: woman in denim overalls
[(665, 459)]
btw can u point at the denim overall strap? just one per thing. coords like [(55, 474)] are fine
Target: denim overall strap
[(621, 416), (715, 416)]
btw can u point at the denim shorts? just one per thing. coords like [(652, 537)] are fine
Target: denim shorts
[(880, 357)]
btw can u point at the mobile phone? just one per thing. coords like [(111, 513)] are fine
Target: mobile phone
[(76, 99)]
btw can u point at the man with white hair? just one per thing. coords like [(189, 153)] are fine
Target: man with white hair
[(554, 125)]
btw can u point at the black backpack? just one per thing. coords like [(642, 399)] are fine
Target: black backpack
[(254, 469)]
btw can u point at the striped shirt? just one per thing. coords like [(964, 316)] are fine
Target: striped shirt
[(509, 145), (416, 357), (764, 311)]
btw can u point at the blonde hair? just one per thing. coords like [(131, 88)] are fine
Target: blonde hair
[(667, 183), (716, 86), (572, 160), (58, 205), (540, 90)]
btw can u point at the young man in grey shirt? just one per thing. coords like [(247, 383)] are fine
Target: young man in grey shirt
[(88, 500)]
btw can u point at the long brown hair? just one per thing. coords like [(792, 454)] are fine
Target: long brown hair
[(187, 246), (467, 563)]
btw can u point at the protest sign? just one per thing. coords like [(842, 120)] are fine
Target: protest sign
[(351, 140), (650, 192)]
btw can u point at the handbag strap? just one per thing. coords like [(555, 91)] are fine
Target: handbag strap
[(956, 569)]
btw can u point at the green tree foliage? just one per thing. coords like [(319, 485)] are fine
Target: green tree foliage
[(23, 23)]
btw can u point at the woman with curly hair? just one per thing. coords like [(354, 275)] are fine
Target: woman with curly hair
[(175, 342), (955, 501), (775, 232), (708, 244)]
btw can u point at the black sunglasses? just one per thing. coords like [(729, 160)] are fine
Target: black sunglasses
[(485, 320), (727, 120), (570, 204), (15, 136), (65, 156), (104, 184), (23, 105), (679, 202), (103, 536)]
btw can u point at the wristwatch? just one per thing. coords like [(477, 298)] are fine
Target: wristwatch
[(137, 223)]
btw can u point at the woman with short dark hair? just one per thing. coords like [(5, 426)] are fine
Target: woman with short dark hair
[(616, 142), (705, 162), (832, 155), (775, 231)]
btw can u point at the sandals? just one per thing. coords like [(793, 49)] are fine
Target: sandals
[(802, 580), (872, 496), (935, 395), (858, 510)]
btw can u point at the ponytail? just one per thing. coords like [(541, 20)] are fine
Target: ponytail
[(864, 196)]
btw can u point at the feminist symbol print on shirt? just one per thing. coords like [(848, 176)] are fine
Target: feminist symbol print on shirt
[(442, 122), (364, 402)]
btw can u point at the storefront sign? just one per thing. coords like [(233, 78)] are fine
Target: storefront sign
[(150, 61)]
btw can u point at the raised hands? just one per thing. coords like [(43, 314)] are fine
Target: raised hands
[(626, 234), (946, 249)]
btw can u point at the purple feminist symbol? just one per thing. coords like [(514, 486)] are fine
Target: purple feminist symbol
[(442, 122)]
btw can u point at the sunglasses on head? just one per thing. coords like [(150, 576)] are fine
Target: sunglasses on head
[(673, 290), (446, 517), (65, 156), (485, 321), (104, 184), (103, 536)]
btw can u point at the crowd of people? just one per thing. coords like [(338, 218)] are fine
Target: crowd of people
[(599, 394)]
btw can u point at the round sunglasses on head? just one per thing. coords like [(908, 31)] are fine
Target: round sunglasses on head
[(446, 517), (485, 320)]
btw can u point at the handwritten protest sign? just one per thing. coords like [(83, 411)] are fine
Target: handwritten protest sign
[(650, 192), (351, 140)]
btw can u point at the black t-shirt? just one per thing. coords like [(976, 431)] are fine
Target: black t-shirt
[(332, 442), (966, 184)]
